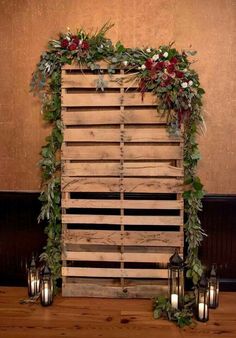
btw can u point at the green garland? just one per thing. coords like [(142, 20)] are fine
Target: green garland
[(166, 73)]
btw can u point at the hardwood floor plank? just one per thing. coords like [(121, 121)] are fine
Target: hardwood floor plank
[(104, 318)]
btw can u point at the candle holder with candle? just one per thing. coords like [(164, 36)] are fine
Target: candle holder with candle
[(202, 300), (176, 281), (213, 288), (33, 279), (46, 286)]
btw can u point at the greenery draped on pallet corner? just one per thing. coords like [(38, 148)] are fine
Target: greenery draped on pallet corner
[(163, 71)]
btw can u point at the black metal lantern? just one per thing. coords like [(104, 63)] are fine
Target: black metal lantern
[(33, 279), (176, 281), (202, 301), (46, 287), (213, 288)]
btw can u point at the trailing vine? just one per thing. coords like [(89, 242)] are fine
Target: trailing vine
[(163, 71)]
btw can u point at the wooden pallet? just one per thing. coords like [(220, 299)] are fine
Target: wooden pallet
[(122, 183)]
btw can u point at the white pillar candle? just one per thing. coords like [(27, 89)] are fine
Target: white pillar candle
[(174, 300), (33, 287), (212, 294), (201, 310), (46, 295)]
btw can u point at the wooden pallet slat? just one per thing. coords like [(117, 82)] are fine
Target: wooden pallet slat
[(126, 204), (113, 135), (106, 99), (115, 273), (80, 80), (128, 220), (99, 116), (112, 152), (110, 184), (106, 169), (129, 238), (148, 257)]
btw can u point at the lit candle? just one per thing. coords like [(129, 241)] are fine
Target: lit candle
[(201, 310), (33, 287), (46, 295), (38, 285), (212, 295), (174, 300)]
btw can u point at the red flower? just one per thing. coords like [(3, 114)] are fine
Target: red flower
[(85, 45), (166, 83), (159, 65), (164, 77), (174, 60), (72, 46), (149, 64), (64, 43), (170, 68), (75, 40), (179, 74)]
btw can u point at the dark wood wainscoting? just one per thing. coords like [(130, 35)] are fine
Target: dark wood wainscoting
[(219, 221), (20, 235)]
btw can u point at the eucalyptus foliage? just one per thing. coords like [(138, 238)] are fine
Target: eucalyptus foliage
[(163, 71)]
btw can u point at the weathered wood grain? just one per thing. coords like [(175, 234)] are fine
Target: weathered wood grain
[(112, 152), (126, 204), (111, 291), (117, 256), (115, 273), (114, 135), (101, 99), (80, 80), (149, 185), (99, 116), (128, 220), (129, 169), (139, 238)]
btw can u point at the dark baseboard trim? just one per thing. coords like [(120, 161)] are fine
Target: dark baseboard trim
[(228, 284)]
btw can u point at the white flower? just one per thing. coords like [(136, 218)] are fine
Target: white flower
[(184, 85), (185, 70), (143, 67), (67, 38), (155, 57), (165, 54), (190, 83), (47, 67), (101, 46), (125, 63), (148, 50)]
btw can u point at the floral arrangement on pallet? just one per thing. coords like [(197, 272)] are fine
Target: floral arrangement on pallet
[(167, 74)]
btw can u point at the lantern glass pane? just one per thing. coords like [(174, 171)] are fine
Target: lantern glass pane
[(176, 287), (32, 282), (203, 305)]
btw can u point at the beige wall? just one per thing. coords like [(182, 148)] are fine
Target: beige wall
[(207, 25)]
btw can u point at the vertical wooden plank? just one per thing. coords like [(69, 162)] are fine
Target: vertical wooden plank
[(122, 129), (180, 195)]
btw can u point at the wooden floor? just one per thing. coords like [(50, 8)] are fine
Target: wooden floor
[(105, 318)]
